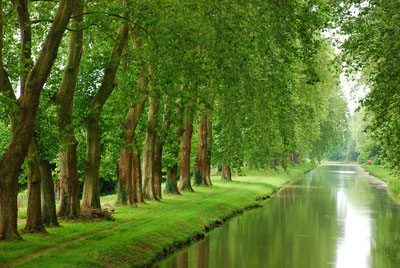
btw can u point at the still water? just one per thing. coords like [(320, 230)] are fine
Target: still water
[(336, 216)]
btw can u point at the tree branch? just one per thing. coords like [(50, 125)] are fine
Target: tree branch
[(5, 84), (24, 21), (120, 17)]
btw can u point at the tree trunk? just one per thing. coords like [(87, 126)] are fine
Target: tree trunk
[(125, 189), (160, 141), (10, 163), (209, 147), (149, 147), (69, 180), (21, 6), (171, 186), (136, 175), (226, 173), (157, 172), (91, 187), (125, 164), (295, 158), (49, 215), (200, 168), (185, 146), (34, 222)]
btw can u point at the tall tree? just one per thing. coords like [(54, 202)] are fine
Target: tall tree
[(69, 180), (127, 166), (12, 159), (171, 185), (209, 147), (149, 149), (160, 141), (200, 168), (91, 190), (186, 146)]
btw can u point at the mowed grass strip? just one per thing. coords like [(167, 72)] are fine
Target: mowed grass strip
[(140, 235)]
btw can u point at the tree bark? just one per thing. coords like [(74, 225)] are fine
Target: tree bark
[(171, 186), (125, 188), (226, 173), (91, 188), (149, 147), (69, 180), (21, 6), (157, 172), (200, 168), (160, 141), (10, 163), (209, 147), (34, 222), (48, 203), (127, 193), (137, 175), (185, 146)]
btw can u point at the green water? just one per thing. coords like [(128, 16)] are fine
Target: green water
[(336, 216)]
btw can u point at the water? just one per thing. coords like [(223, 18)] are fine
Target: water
[(336, 216)]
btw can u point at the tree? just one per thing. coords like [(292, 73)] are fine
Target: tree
[(12, 159), (91, 190), (69, 180)]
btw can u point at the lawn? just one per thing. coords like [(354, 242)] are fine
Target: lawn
[(140, 235)]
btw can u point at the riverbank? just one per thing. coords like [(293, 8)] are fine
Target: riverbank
[(140, 236), (385, 174)]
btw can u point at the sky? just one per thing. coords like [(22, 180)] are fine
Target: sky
[(352, 91)]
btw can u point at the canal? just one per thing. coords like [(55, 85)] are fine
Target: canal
[(336, 216)]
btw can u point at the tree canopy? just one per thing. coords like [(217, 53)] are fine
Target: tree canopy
[(126, 92)]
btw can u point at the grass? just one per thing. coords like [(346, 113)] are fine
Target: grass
[(23, 205), (386, 175), (140, 235)]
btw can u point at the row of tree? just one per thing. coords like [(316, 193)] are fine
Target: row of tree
[(124, 90), (359, 145), (371, 49)]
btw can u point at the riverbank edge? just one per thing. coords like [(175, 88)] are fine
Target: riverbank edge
[(169, 250), (385, 174), (144, 249)]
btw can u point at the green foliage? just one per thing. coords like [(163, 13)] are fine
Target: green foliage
[(372, 49), (365, 145), (262, 68)]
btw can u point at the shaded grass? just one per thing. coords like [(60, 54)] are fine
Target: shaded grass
[(386, 175), (22, 210), (145, 233)]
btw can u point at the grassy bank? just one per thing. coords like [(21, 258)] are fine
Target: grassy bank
[(386, 175), (140, 235)]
